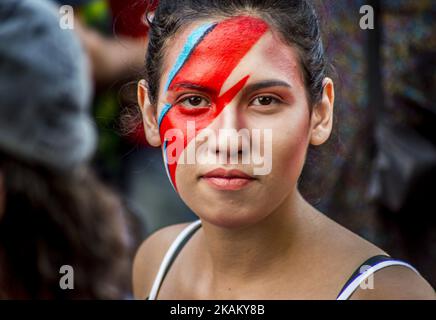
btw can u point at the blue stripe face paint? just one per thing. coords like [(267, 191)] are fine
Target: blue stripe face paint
[(164, 111), (193, 40)]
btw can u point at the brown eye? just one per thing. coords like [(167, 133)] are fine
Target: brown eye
[(194, 102), (264, 101)]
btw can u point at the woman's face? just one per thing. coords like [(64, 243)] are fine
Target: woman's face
[(233, 119)]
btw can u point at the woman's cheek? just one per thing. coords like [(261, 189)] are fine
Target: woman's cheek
[(290, 143), (186, 176)]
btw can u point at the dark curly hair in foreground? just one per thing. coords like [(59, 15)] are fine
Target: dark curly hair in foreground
[(52, 219)]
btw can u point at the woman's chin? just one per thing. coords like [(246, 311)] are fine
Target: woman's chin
[(231, 218)]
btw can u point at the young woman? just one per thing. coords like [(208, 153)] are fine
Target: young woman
[(215, 68)]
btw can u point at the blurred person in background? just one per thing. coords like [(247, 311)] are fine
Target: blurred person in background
[(380, 177), (53, 210), (404, 122), (115, 35)]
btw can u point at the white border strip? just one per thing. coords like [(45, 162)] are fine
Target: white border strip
[(167, 259)]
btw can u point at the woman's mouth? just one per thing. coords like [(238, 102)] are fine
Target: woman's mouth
[(222, 179)]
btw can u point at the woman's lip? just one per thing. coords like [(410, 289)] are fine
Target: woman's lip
[(223, 183), (222, 173), (222, 179)]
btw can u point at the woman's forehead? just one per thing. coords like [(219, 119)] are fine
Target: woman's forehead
[(245, 44)]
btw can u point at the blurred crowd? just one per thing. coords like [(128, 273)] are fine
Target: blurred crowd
[(78, 189)]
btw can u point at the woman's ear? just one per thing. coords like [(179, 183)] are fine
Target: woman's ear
[(148, 115), (322, 115)]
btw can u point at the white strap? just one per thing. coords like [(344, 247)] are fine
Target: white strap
[(168, 258), (348, 291)]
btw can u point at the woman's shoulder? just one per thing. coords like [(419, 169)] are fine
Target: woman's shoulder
[(342, 245), (396, 283), (149, 257), (391, 282)]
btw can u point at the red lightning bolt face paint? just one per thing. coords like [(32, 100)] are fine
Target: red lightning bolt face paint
[(209, 56)]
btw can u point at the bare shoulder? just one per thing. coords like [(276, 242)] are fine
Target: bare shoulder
[(344, 247), (393, 282), (149, 257), (396, 283)]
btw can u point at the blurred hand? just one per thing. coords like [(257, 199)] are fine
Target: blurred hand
[(111, 58)]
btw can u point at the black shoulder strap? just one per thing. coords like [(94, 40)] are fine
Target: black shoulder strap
[(370, 263)]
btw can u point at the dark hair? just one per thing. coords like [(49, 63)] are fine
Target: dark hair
[(52, 219), (295, 20)]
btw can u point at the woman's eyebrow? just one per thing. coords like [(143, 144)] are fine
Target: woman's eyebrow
[(193, 86), (249, 88), (266, 84)]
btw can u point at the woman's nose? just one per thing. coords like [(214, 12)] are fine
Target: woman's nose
[(231, 135)]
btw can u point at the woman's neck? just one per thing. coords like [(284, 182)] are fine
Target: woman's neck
[(249, 253)]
